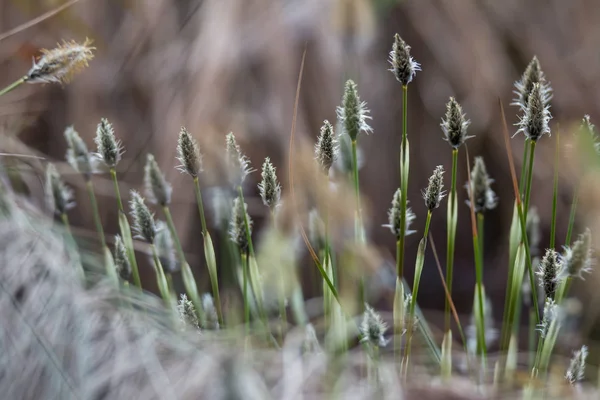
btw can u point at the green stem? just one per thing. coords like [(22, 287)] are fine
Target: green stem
[(113, 175), (160, 277), (200, 205), (282, 309), (572, 215), (555, 192), (245, 294), (171, 225), (451, 228), (532, 282), (524, 167), (480, 326), (13, 85), (96, 213), (529, 177), (403, 179), (65, 220)]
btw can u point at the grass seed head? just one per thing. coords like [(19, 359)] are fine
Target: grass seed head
[(60, 64), (58, 196), (353, 113), (373, 328), (588, 128), (143, 220), (121, 260), (156, 186), (551, 313), (455, 124), (404, 66), (534, 122), (269, 188), (326, 148), (187, 313), (109, 148), (78, 155), (237, 163), (434, 194), (576, 370), (237, 228), (547, 272), (394, 216), (533, 74), (483, 196), (188, 154), (577, 259)]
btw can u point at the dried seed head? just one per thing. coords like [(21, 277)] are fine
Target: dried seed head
[(326, 148), (534, 123), (77, 153), (577, 259), (533, 74), (588, 128), (455, 124), (373, 328), (164, 247), (59, 65), (434, 194), (156, 186), (576, 370), (212, 320), (483, 196), (187, 313), (534, 235), (121, 260), (404, 66), (237, 163), (551, 314), (353, 113), (58, 196), (547, 272), (109, 148), (394, 216), (269, 188), (188, 154), (143, 219), (237, 228)]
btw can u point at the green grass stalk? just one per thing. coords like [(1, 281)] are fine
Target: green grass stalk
[(555, 192), (12, 86), (451, 239)]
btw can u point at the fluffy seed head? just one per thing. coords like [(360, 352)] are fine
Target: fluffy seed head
[(121, 260), (576, 370), (326, 148), (156, 186), (434, 194), (58, 196), (479, 190), (269, 188), (455, 124), (394, 216), (404, 66), (534, 123), (551, 313), (143, 219), (237, 228), (588, 128), (164, 247), (353, 113), (533, 74), (237, 163), (187, 313), (577, 259), (547, 272), (373, 328), (109, 148), (77, 153), (188, 154), (60, 64)]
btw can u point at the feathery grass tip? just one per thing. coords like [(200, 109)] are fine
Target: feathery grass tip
[(533, 74), (483, 196), (269, 188), (109, 148), (237, 163), (156, 186), (394, 216), (326, 148), (577, 259), (59, 197), (188, 154), (60, 64), (353, 112), (576, 370), (455, 124), (535, 121), (547, 272), (121, 259), (237, 229), (404, 66), (143, 220), (434, 194), (373, 328), (78, 155)]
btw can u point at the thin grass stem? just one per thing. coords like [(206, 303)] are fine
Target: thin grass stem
[(555, 191), (13, 86), (451, 237), (95, 212)]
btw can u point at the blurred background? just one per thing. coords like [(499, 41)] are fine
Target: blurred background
[(217, 66)]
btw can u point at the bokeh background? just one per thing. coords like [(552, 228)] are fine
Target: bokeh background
[(217, 66)]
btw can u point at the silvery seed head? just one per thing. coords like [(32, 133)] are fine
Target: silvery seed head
[(208, 305), (143, 219), (373, 328), (534, 235), (60, 64), (156, 186), (394, 216), (77, 153), (434, 194), (479, 189), (404, 66), (588, 128), (455, 124), (533, 74), (121, 260), (534, 122), (237, 228), (269, 188), (576, 370), (547, 272), (551, 313), (109, 148), (164, 247), (326, 148), (238, 164), (353, 113), (577, 259), (188, 154), (187, 313), (58, 196)]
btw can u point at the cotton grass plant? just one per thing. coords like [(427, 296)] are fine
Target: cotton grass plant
[(192, 338)]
